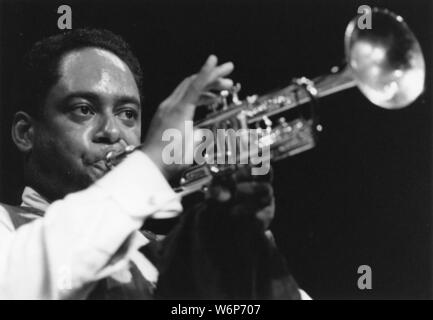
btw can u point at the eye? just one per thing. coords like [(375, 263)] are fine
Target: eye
[(83, 110), (128, 115)]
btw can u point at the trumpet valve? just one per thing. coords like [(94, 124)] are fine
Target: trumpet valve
[(235, 91), (268, 123)]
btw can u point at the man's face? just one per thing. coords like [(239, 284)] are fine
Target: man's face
[(94, 108)]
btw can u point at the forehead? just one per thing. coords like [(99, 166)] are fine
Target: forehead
[(96, 70)]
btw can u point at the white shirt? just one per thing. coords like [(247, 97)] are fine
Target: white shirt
[(87, 236)]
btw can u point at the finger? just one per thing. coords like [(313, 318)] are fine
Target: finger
[(258, 189), (210, 64), (209, 74), (220, 71), (256, 194), (220, 193), (220, 84), (266, 215), (187, 94), (206, 71), (208, 98)]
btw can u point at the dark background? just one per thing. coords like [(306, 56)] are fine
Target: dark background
[(363, 196)]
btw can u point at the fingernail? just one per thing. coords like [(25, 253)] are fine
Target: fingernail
[(212, 59), (230, 64)]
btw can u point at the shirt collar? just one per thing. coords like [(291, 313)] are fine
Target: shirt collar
[(31, 198)]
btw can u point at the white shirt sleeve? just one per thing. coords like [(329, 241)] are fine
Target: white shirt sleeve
[(84, 237), (304, 295)]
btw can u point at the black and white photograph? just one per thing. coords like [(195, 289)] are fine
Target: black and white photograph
[(232, 151)]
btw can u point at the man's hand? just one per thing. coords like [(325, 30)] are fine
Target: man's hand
[(180, 107), (246, 197)]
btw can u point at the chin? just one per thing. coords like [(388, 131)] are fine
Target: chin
[(92, 178), (83, 180)]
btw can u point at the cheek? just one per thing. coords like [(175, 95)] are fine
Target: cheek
[(133, 135), (81, 140), (66, 143)]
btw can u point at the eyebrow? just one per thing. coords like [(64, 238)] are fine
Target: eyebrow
[(93, 97)]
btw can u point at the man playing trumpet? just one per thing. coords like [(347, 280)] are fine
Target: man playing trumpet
[(77, 233)]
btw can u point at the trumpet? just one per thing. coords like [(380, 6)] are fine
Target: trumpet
[(385, 62)]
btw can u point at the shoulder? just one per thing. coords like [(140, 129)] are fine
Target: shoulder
[(5, 219), (304, 295)]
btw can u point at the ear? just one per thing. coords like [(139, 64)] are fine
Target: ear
[(23, 131)]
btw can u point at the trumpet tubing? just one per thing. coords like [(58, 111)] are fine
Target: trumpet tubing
[(385, 62)]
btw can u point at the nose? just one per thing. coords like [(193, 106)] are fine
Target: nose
[(108, 131)]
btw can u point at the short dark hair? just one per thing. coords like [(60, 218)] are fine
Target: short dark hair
[(40, 68)]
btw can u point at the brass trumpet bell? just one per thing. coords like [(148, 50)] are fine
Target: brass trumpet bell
[(385, 60)]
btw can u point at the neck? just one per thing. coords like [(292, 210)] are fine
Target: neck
[(51, 186)]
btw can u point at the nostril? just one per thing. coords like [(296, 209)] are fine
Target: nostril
[(109, 136), (103, 139), (108, 130)]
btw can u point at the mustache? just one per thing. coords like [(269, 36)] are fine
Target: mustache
[(98, 157), (102, 165)]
